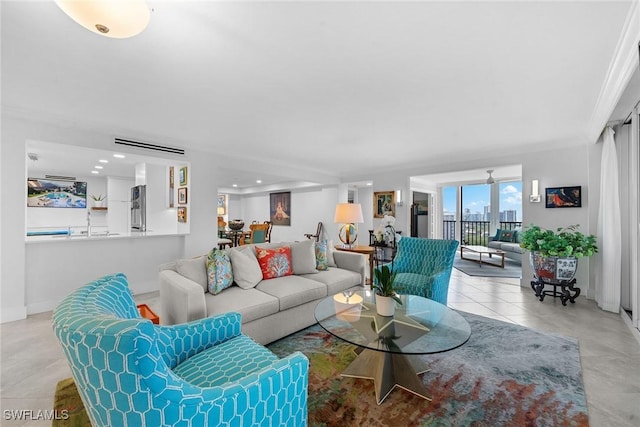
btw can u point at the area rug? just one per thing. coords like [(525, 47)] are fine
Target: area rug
[(505, 375), (472, 268)]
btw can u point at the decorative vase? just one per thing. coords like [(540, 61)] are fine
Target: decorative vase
[(553, 269), (385, 306), (236, 224)]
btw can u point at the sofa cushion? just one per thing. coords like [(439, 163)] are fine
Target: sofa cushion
[(337, 279), (303, 257), (246, 270), (194, 269), (321, 250), (330, 250), (250, 303), (293, 291), (274, 262), (219, 272), (512, 247)]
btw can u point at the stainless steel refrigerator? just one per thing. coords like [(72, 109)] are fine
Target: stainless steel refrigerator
[(139, 208)]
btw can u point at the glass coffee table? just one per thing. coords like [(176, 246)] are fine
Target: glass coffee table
[(388, 347)]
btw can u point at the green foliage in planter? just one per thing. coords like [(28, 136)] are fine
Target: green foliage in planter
[(563, 242), (383, 285), (98, 198)]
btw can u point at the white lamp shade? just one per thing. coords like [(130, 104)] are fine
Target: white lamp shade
[(111, 18), (348, 213)]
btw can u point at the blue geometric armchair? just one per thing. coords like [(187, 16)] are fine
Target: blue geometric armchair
[(423, 267), (130, 372)]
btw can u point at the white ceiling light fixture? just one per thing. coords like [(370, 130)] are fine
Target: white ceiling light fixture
[(119, 156), (98, 167), (103, 161), (490, 180), (118, 19), (95, 172)]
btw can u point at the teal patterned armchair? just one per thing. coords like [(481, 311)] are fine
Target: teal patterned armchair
[(130, 372), (423, 267)]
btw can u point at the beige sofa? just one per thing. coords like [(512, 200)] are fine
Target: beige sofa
[(273, 308)]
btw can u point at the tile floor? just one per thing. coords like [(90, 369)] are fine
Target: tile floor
[(32, 362)]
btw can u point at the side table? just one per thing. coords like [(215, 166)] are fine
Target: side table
[(369, 251), (566, 288)]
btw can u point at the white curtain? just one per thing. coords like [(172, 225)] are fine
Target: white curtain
[(609, 228)]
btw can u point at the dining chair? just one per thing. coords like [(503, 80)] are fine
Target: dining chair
[(258, 234), (317, 235)]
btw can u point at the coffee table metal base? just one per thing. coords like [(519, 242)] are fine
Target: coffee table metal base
[(388, 370)]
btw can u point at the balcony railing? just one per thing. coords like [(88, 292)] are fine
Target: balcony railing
[(474, 232)]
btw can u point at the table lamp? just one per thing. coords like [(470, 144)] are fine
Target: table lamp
[(348, 214)]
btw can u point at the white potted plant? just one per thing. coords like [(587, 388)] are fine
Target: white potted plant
[(386, 296), (98, 200)]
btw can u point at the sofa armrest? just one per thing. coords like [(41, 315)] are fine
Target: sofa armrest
[(177, 343), (351, 261), (181, 299)]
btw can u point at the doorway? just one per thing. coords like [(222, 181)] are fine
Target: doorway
[(420, 215)]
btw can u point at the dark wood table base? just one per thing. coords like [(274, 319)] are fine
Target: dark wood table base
[(565, 292)]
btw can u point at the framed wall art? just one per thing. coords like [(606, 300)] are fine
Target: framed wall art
[(384, 203), (222, 204), (182, 196), (171, 180), (182, 214), (183, 175), (280, 208), (563, 197)]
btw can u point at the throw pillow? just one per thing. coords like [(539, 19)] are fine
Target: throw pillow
[(194, 269), (322, 263), (245, 267), (274, 262), (303, 257), (219, 272), (507, 235)]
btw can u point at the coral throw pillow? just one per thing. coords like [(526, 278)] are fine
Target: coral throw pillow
[(274, 262)]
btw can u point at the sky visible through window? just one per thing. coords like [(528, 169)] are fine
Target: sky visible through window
[(476, 197)]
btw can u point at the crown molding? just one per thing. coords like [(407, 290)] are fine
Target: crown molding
[(621, 68)]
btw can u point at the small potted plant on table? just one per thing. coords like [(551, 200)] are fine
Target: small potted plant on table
[(98, 200), (386, 296)]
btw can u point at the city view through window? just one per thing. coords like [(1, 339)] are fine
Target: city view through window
[(477, 211)]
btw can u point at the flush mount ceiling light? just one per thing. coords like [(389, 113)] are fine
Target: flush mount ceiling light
[(490, 180), (111, 18)]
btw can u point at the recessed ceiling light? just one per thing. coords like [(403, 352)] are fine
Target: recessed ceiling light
[(103, 161), (119, 156), (234, 185), (96, 172), (258, 181), (98, 167), (369, 183)]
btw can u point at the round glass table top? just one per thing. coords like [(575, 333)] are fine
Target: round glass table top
[(419, 325)]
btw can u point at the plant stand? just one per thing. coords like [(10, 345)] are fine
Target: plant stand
[(566, 288)]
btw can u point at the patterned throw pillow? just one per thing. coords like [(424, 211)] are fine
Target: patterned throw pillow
[(322, 263), (219, 273), (274, 262), (507, 236)]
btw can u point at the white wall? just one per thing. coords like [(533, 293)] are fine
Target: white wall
[(36, 279)]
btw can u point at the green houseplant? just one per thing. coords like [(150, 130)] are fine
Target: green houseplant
[(563, 242), (98, 198), (554, 254), (385, 291)]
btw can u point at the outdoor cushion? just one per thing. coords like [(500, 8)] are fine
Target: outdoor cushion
[(293, 291), (250, 303)]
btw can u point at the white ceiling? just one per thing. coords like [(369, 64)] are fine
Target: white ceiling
[(339, 89)]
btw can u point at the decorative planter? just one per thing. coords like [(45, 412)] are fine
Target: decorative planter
[(553, 269), (385, 306), (98, 203)]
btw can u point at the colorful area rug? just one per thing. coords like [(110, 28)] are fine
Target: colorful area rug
[(472, 268), (505, 375)]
